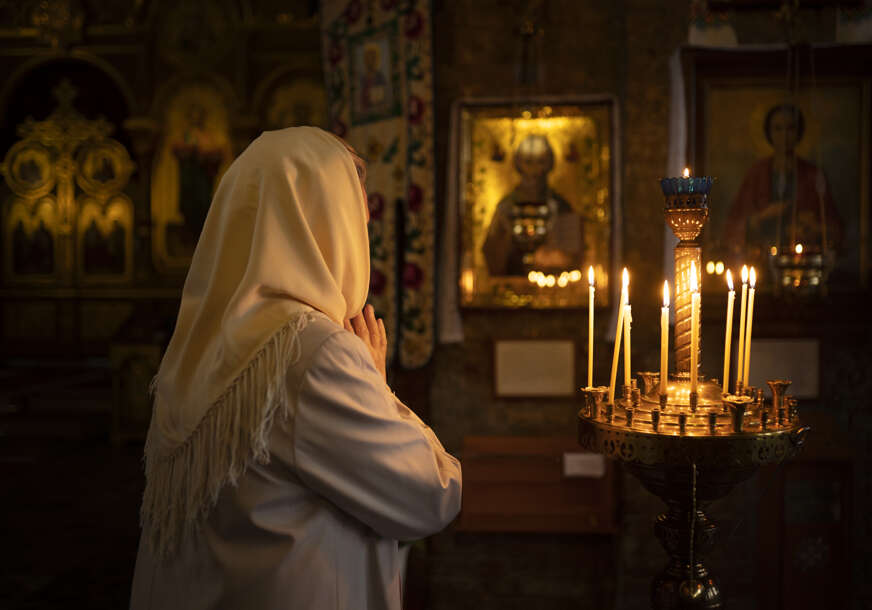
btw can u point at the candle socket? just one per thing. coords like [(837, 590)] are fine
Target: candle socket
[(758, 394), (663, 398), (655, 419), (713, 422), (738, 405), (682, 423), (637, 397), (626, 392), (779, 389), (593, 399), (694, 401), (740, 388), (609, 412), (781, 415), (629, 413), (764, 419), (650, 380)]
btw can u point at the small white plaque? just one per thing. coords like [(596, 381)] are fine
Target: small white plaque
[(793, 359), (591, 465), (534, 368)]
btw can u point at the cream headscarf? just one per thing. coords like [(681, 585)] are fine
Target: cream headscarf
[(286, 232)]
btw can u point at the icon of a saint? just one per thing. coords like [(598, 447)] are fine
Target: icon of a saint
[(784, 199), (533, 226)]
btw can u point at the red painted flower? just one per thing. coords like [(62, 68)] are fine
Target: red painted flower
[(412, 276), (416, 109), (377, 282), (334, 53), (338, 127), (416, 197), (413, 24), (376, 204), (353, 11)]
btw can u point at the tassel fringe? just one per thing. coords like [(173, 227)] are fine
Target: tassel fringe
[(183, 486)]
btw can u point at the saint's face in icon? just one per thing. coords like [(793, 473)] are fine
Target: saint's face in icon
[(534, 157), (783, 130)]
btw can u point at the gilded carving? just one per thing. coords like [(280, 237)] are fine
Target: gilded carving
[(52, 234)]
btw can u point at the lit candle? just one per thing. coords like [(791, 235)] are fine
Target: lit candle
[(694, 326), (664, 338), (686, 173), (590, 327), (747, 360), (740, 354), (628, 319), (728, 333), (624, 298)]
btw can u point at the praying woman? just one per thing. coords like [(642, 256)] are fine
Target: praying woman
[(281, 471)]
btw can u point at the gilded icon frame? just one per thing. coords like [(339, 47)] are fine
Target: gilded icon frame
[(576, 142)]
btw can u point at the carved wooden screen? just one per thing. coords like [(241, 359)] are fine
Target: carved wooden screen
[(68, 221)]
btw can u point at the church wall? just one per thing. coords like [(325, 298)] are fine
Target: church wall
[(620, 48)]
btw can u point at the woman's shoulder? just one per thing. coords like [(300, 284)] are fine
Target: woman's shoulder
[(321, 336)]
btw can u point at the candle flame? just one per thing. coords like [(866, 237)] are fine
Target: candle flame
[(753, 277), (686, 172), (665, 293), (798, 248), (694, 284), (590, 275), (730, 279), (744, 274), (625, 278)]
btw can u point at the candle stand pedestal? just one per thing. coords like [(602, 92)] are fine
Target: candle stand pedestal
[(689, 457)]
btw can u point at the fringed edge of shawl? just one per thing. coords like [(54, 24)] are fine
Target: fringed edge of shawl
[(183, 486)]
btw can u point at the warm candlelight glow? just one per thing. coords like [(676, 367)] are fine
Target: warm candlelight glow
[(746, 364), (728, 333), (590, 300), (618, 333), (694, 328), (628, 319), (686, 172), (664, 338), (467, 282), (798, 248), (743, 307)]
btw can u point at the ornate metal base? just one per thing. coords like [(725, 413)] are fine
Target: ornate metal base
[(674, 587), (688, 457)]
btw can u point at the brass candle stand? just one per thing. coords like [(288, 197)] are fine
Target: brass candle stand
[(689, 449)]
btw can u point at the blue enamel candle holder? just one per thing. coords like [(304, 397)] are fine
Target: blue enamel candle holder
[(690, 192)]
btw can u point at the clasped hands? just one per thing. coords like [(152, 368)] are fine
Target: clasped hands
[(372, 332)]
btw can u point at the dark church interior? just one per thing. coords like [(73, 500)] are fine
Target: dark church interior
[(521, 154)]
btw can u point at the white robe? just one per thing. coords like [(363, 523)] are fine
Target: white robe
[(352, 471)]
